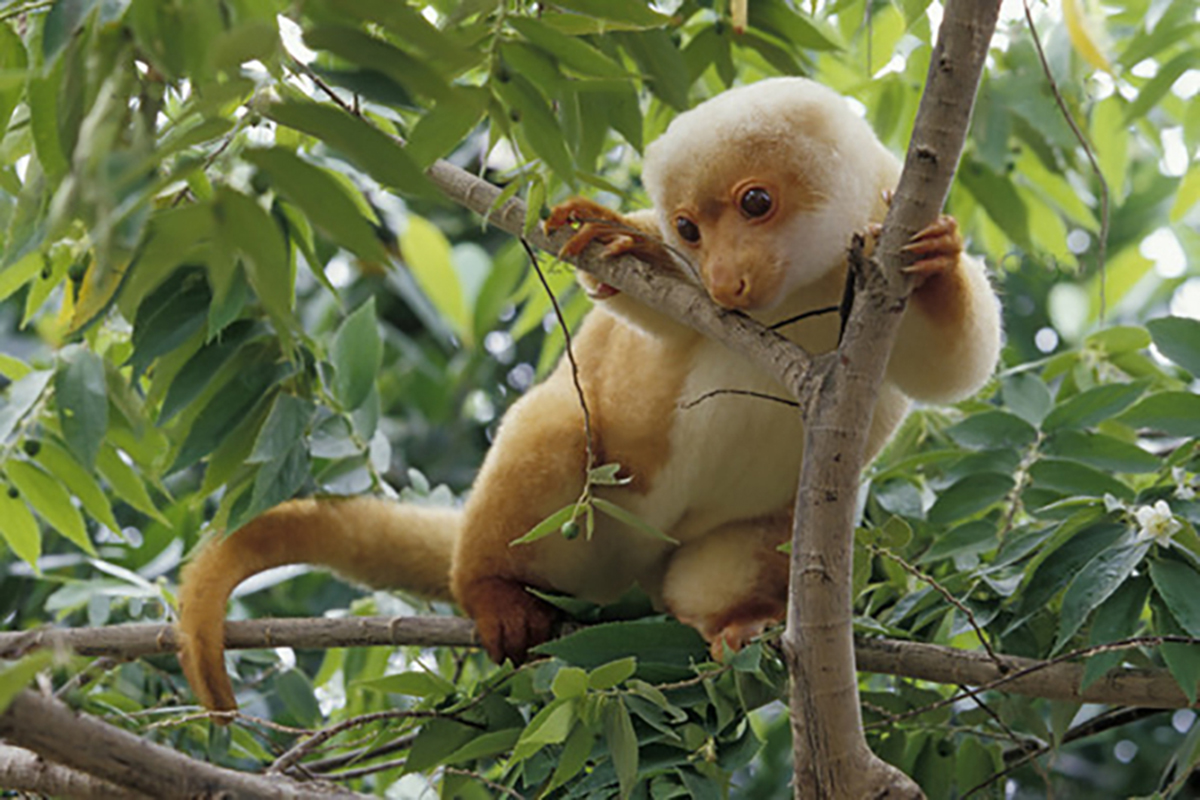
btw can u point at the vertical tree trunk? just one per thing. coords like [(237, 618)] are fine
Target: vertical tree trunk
[(831, 756)]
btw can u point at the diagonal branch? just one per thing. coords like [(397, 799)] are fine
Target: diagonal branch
[(668, 293), (84, 744)]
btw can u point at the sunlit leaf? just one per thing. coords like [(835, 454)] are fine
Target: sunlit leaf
[(1082, 30), (427, 256), (18, 527)]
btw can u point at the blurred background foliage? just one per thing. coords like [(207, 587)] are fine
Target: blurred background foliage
[(224, 282)]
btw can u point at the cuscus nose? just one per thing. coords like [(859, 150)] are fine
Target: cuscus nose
[(729, 289)]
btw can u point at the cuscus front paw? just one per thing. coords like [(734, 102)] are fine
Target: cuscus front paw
[(595, 224), (936, 249)]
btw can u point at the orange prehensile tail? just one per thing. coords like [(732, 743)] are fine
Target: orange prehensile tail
[(380, 543)]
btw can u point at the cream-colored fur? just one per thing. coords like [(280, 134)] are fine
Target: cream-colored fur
[(717, 472)]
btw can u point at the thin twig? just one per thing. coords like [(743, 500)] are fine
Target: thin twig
[(499, 787), (944, 592), (1011, 734), (302, 748), (42, 5), (300, 67), (1102, 244), (328, 765), (816, 312), (742, 392), (570, 353)]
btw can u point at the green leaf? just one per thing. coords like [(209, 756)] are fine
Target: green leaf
[(571, 52), (655, 643), (1178, 338), (1093, 406), (968, 497), (622, 743), (632, 12), (21, 272), (551, 524), (999, 197), (1172, 413), (13, 59), (414, 684), (168, 316), (225, 410), (485, 745), (796, 27), (1157, 87), (975, 763), (323, 199), (1116, 618), (538, 123), (19, 528), (199, 371), (447, 124), (570, 682), (612, 674), (437, 740), (285, 427), (1077, 479), (370, 149), (248, 227), (22, 396), (42, 96), (50, 500), (629, 518), (293, 688), (1183, 660), (1094, 584), (80, 481), (1176, 584), (551, 725), (357, 353), (574, 756), (361, 48), (81, 395), (973, 538), (15, 677), (1119, 339), (661, 62), (276, 481), (427, 255), (126, 483), (993, 430), (1061, 559), (1101, 451)]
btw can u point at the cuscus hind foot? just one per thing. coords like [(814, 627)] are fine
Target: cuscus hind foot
[(509, 619)]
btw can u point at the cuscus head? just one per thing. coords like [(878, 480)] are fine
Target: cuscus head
[(762, 187)]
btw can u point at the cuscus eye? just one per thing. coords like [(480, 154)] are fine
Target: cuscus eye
[(687, 229), (756, 202)]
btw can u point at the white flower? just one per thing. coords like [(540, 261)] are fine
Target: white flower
[(1156, 522), (1112, 503), (1183, 489)]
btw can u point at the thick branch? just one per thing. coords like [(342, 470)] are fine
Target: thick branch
[(662, 291), (24, 771), (85, 744), (830, 751), (1152, 688)]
